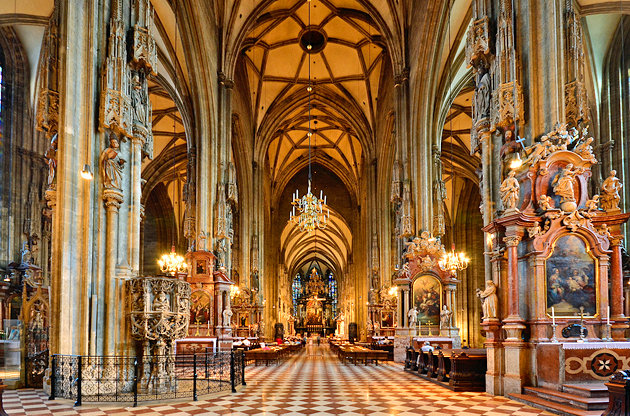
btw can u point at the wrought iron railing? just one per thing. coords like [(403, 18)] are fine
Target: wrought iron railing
[(131, 379)]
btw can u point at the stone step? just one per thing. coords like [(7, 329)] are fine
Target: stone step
[(586, 390), (581, 402), (553, 407)]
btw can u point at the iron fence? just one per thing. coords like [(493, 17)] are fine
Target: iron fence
[(138, 379)]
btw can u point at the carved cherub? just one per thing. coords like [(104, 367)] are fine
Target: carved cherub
[(591, 204), (545, 202)]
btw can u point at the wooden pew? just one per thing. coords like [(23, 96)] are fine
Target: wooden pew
[(444, 365), (468, 370)]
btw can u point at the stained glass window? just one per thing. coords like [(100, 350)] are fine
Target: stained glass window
[(296, 289), (332, 291)]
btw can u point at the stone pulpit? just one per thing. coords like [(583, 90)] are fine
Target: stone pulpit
[(159, 313)]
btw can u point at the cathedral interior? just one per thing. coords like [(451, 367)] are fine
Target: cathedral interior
[(186, 176)]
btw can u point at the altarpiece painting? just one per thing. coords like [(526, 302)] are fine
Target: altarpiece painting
[(427, 292), (571, 279)]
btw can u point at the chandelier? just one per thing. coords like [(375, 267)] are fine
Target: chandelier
[(453, 262), (312, 212), (172, 263)]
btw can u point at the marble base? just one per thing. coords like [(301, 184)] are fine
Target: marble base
[(402, 341)]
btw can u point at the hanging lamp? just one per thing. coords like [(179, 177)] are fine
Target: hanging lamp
[(172, 264), (453, 261), (309, 213)]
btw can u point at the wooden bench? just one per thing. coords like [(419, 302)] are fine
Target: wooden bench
[(468, 370)]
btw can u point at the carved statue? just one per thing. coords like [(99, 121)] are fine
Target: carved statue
[(610, 192), (412, 315), (585, 150), (509, 192), (160, 303), (369, 326), (591, 204), (563, 186), (377, 329), (482, 98), (227, 316), (138, 101), (445, 317), (51, 156), (112, 164), (25, 254), (545, 202), (489, 300), (539, 151)]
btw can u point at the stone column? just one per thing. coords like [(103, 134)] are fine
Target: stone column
[(135, 208), (113, 199)]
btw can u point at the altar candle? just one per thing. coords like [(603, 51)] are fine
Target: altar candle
[(608, 315), (553, 315)]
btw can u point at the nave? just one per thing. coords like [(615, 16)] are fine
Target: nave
[(313, 382)]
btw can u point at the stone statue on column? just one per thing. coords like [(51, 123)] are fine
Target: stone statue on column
[(112, 164), (445, 317), (227, 316), (489, 300), (412, 316), (51, 157)]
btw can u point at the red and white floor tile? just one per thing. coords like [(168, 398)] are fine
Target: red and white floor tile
[(313, 382)]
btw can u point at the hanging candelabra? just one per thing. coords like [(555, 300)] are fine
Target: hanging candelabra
[(312, 212), (171, 263), (309, 212), (453, 262)]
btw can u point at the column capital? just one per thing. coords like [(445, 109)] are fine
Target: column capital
[(615, 240), (113, 198), (512, 240)]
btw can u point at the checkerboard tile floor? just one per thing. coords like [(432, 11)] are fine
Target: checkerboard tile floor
[(313, 382)]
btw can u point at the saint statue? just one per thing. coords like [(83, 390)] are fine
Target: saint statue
[(377, 328), (509, 192), (563, 183), (445, 317), (369, 326), (51, 156), (112, 164), (489, 300), (138, 101), (227, 316), (412, 315), (610, 192), (160, 303), (482, 97)]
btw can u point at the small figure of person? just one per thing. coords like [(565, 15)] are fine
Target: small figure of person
[(509, 192), (413, 317), (610, 192)]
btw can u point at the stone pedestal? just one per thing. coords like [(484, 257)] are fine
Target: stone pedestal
[(494, 353), (402, 341)]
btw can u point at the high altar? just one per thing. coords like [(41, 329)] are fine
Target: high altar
[(556, 271)]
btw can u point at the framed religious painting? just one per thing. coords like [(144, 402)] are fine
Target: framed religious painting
[(571, 278), (387, 319), (427, 295)]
